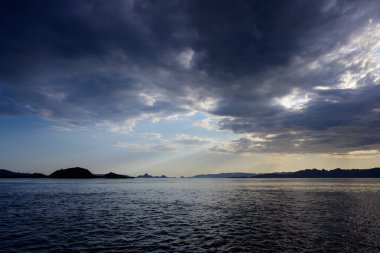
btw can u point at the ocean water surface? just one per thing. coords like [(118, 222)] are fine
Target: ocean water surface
[(190, 215)]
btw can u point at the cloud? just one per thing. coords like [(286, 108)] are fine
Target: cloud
[(345, 122), (185, 58), (185, 139), (60, 128), (364, 152), (207, 123), (305, 73), (87, 62), (153, 136)]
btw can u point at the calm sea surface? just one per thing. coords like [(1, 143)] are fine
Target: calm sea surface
[(190, 215)]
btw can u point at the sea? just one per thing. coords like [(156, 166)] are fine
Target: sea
[(189, 215)]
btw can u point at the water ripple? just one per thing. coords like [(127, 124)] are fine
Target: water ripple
[(189, 215)]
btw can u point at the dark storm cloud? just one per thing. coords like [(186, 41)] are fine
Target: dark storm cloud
[(346, 124), (86, 62)]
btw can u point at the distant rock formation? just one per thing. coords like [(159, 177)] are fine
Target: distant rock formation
[(146, 175), (75, 172)]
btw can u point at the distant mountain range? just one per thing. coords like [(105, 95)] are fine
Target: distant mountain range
[(75, 172), (314, 173), (309, 173), (78, 172)]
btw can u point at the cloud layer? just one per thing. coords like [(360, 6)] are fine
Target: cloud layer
[(293, 77)]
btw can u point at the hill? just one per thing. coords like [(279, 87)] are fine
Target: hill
[(336, 173), (11, 174), (75, 172), (113, 175)]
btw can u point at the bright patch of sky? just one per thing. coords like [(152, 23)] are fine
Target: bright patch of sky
[(151, 146)]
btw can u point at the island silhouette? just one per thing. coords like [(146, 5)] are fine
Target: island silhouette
[(75, 172), (308, 173), (70, 173), (82, 173), (315, 173), (146, 175)]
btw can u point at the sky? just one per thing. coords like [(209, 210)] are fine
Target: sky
[(189, 87)]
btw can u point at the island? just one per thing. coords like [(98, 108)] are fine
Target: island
[(114, 175), (315, 173), (69, 173), (76, 172), (82, 173)]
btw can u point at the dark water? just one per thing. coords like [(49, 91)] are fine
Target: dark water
[(190, 215)]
